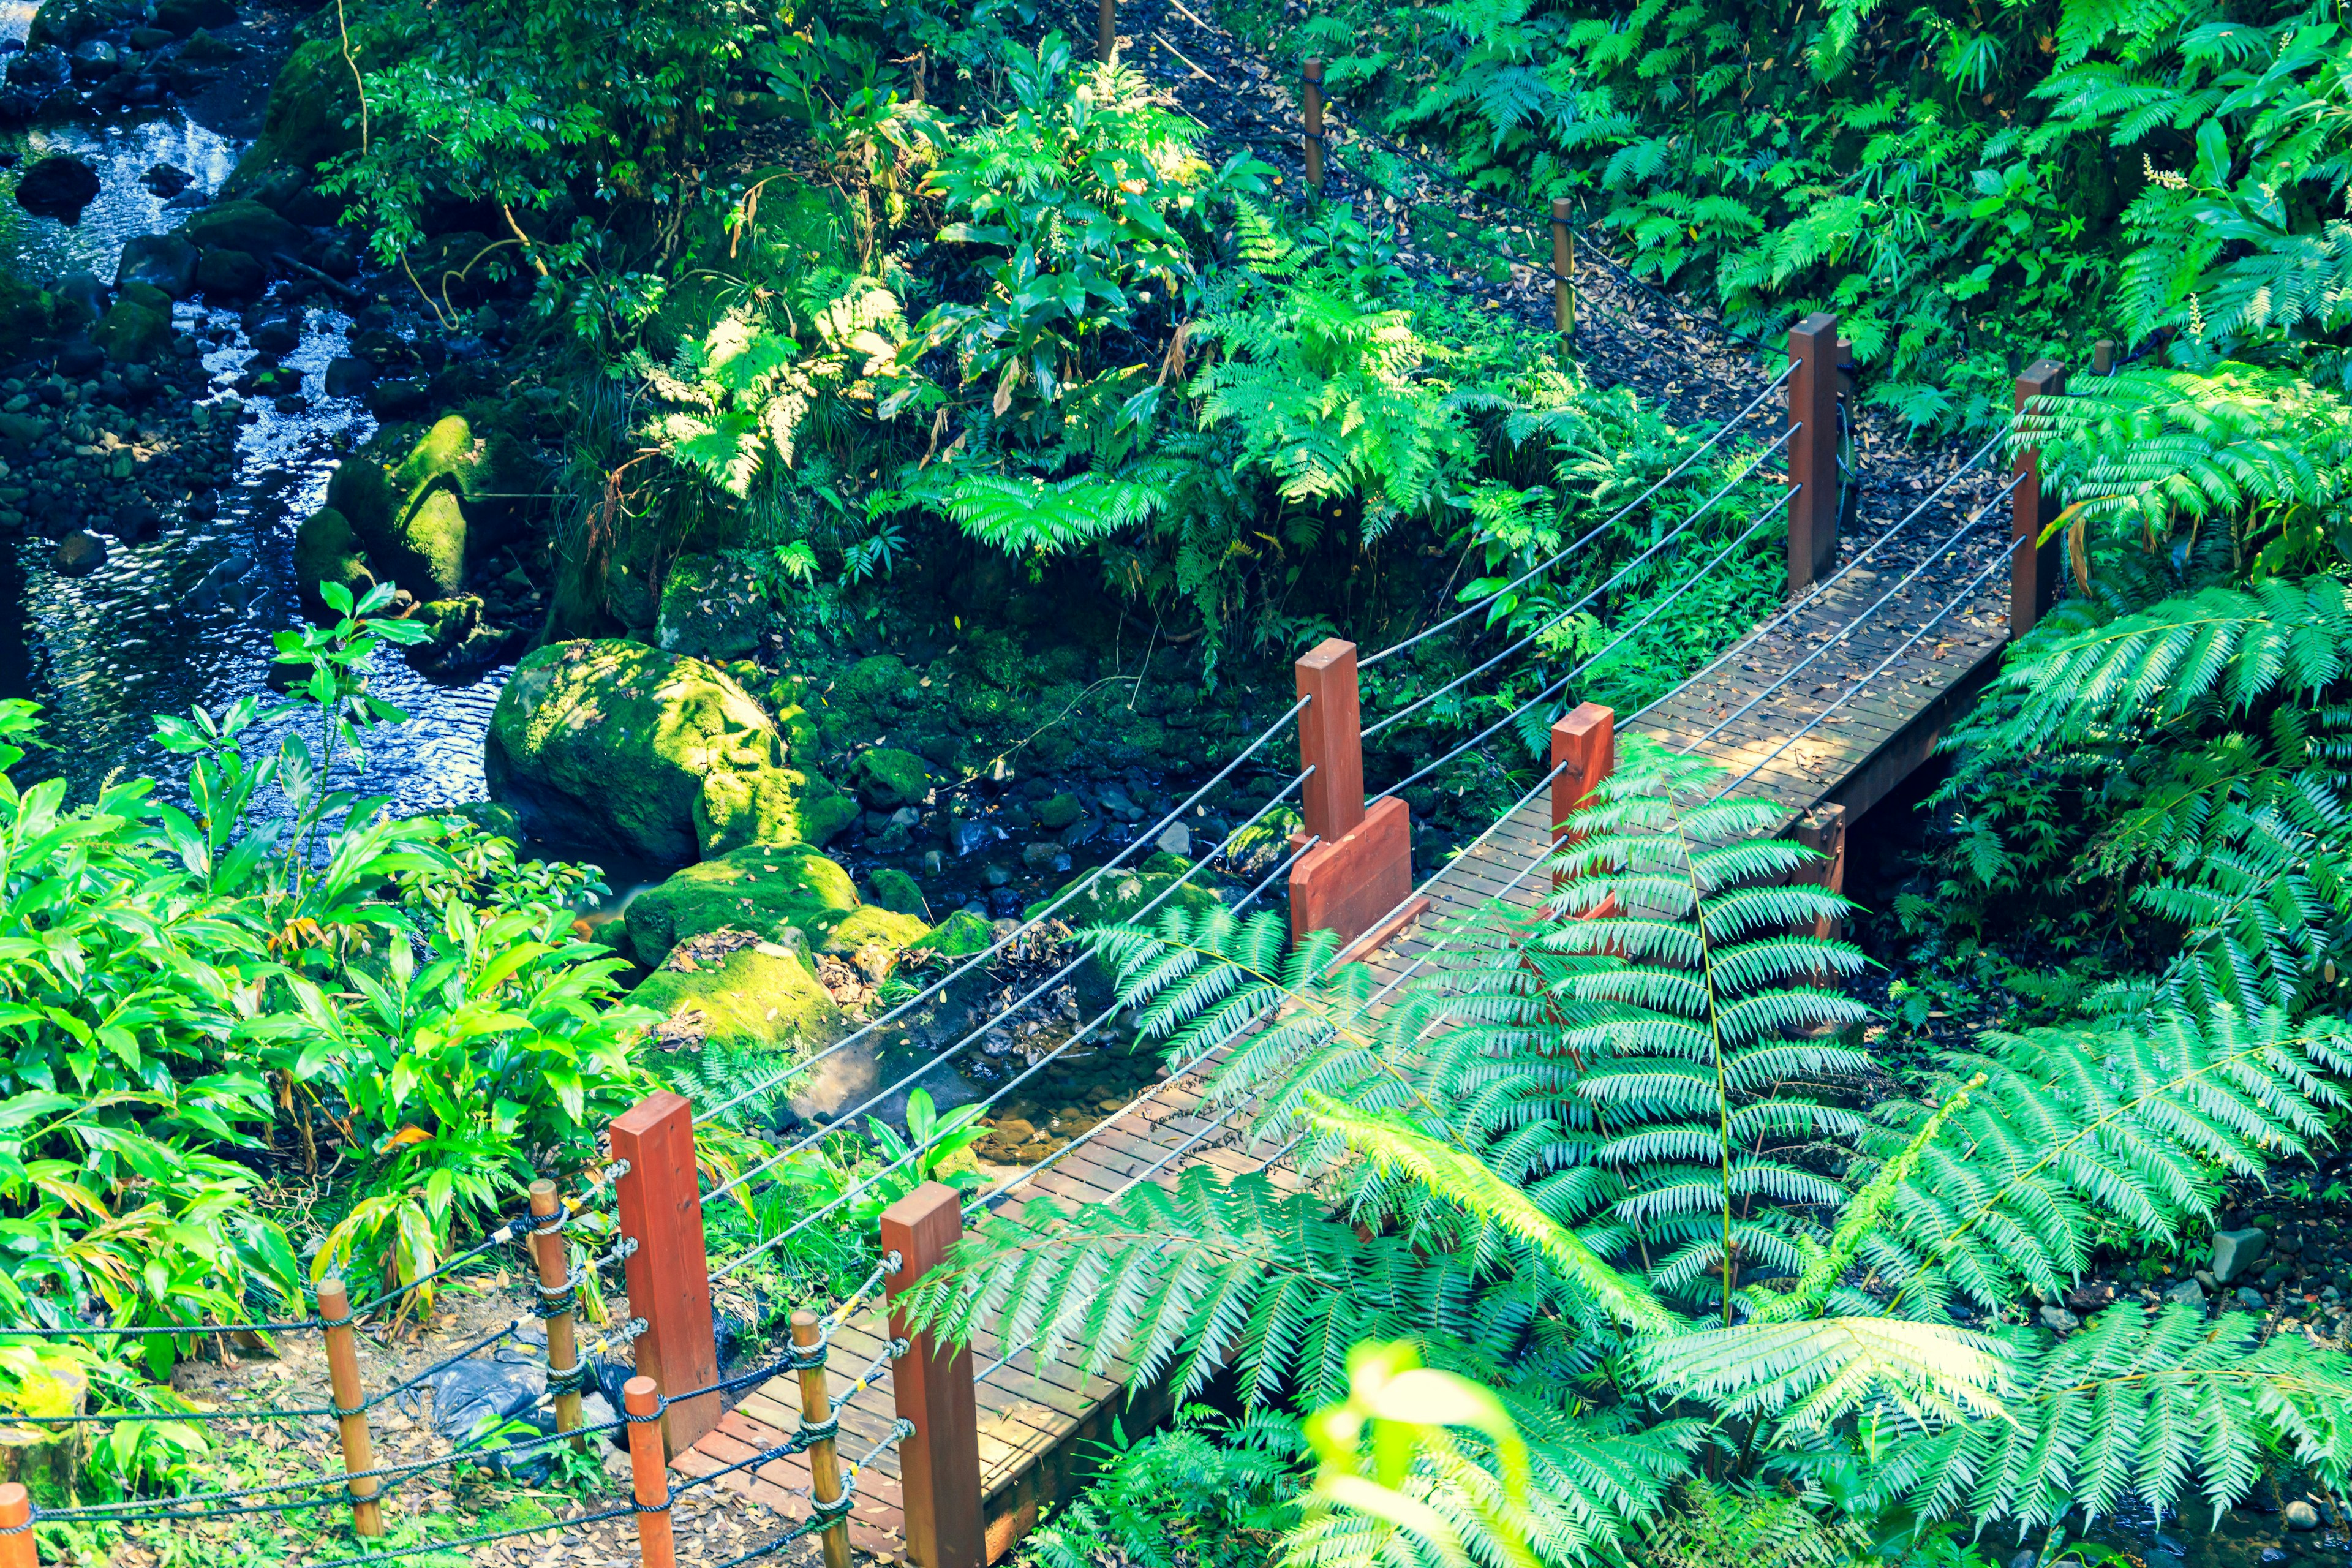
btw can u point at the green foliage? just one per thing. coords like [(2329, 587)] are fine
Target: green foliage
[(1210, 1490)]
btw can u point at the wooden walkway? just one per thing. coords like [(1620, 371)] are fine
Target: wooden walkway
[(1035, 1424)]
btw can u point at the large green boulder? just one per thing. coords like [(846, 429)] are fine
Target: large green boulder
[(133, 333), (887, 777), (615, 742), (869, 924), (314, 114), (960, 935), (894, 889), (326, 550), (65, 22), (765, 888), (759, 995), (242, 226), (712, 606)]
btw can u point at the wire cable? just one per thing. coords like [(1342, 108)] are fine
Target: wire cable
[(990, 953), (1619, 575), (1566, 550)]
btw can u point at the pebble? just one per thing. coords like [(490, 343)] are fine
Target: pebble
[(79, 553), (2301, 1515), (2060, 1320), (1177, 840), (2251, 1299)]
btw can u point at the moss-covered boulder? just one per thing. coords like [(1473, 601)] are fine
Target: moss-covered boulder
[(712, 606), (133, 333), (607, 741), (326, 550), (759, 995), (65, 22), (764, 888), (27, 316), (887, 778), (894, 889), (241, 225), (869, 924), (960, 935), (314, 113)]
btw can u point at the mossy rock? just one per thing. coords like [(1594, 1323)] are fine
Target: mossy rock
[(769, 805), (892, 888), (960, 935), (27, 316), (65, 22), (887, 777), (870, 923), (615, 742), (764, 888), (1058, 812), (327, 551), (712, 606), (1116, 897), (359, 490), (758, 998), (314, 113), (426, 550), (490, 816), (242, 226), (133, 333)]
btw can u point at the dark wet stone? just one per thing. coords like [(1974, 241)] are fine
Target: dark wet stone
[(79, 553), (58, 187)]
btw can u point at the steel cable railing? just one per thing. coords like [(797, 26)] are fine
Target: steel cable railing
[(1618, 577), (1369, 660), (1002, 943)]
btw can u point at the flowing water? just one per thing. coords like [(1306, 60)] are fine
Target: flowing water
[(187, 617)]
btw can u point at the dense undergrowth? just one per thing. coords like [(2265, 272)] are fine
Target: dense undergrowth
[(1631, 1237)]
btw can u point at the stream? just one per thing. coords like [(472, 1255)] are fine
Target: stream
[(186, 617)]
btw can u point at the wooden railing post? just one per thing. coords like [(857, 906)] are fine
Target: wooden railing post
[(1584, 749), (648, 1474), (1311, 107), (1563, 274), (824, 1460), (350, 1409), (1107, 33), (1822, 830), (557, 1304), (668, 1276), (939, 1466), (2103, 357), (1812, 449), (2032, 564), (1330, 741), (17, 1549)]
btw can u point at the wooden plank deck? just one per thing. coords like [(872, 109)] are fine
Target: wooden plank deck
[(1034, 1423)]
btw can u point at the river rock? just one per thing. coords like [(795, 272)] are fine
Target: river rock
[(80, 358), (1058, 812), (182, 17), (275, 334), (230, 274), (2188, 1293), (712, 606), (326, 550), (43, 70), (743, 994), (768, 889), (62, 24), (147, 41), (887, 778), (349, 377), (2236, 1250), (396, 398), (94, 59), (133, 333), (166, 179), (2301, 1515), (242, 226), (165, 261), (79, 553), (893, 889), (58, 187), (614, 741)]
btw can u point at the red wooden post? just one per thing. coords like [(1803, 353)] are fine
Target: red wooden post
[(1584, 748), (2033, 565), (668, 1276), (939, 1466), (648, 1474), (1330, 741), (17, 1546), (1563, 273), (1812, 449), (1312, 109)]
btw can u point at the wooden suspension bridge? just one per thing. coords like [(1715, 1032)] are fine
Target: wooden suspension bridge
[(1824, 711)]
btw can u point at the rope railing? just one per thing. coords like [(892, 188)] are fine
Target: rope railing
[(1031, 922)]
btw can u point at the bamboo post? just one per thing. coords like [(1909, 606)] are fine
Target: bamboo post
[(2103, 357), (1312, 106), (669, 1275), (1812, 449), (1563, 274), (931, 1386), (649, 1473), (825, 1461), (1107, 33), (17, 1547), (556, 1306), (351, 1411), (2033, 563)]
